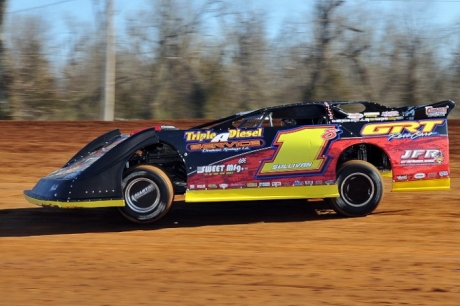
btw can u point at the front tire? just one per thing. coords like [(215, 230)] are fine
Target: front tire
[(360, 188), (148, 194)]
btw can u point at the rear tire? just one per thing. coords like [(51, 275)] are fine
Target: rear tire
[(360, 188), (148, 194)]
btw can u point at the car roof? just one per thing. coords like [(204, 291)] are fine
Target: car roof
[(336, 105)]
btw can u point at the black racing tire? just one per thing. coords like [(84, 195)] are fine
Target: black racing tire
[(148, 194), (360, 188)]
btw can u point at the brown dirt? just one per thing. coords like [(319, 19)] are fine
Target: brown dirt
[(267, 253)]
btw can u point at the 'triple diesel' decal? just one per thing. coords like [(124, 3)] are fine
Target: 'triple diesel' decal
[(233, 140), (214, 137), (300, 151), (405, 129)]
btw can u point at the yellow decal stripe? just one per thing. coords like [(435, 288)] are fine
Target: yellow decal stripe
[(387, 174), (76, 204), (422, 185), (264, 193)]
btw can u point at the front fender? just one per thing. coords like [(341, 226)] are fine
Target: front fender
[(96, 176)]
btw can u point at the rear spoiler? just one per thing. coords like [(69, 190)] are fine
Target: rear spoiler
[(433, 110)]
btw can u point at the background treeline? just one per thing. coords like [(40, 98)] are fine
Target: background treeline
[(188, 59)]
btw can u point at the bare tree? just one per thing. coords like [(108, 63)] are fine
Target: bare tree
[(407, 59), (247, 72), (356, 45), (184, 60), (82, 71), (4, 107), (169, 33), (33, 90), (326, 32)]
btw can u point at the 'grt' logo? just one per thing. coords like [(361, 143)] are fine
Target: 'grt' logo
[(214, 137), (379, 129)]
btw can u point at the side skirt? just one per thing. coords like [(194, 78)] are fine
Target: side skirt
[(422, 185), (263, 193)]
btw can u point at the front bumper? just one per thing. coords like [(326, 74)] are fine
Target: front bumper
[(36, 199)]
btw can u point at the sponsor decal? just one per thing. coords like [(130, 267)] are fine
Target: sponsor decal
[(330, 114), (436, 111), (276, 184), (355, 116), (230, 169), (192, 186), (372, 114), (201, 186), (402, 129), (199, 136), (233, 140), (379, 129), (410, 136), (223, 186), (264, 184), (319, 182), (443, 173), (142, 193), (202, 136), (410, 113), (210, 169), (379, 119), (251, 185), (238, 185), (341, 120), (297, 183), (419, 176), (210, 147), (390, 114), (219, 169), (329, 182), (212, 186), (422, 157), (308, 183), (367, 119), (402, 177), (432, 175)]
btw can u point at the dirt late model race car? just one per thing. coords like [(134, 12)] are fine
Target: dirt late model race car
[(330, 150)]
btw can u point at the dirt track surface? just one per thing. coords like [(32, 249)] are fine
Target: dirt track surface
[(261, 253)]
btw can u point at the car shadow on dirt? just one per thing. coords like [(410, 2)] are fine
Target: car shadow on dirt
[(47, 221)]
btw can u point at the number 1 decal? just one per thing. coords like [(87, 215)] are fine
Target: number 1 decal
[(299, 151)]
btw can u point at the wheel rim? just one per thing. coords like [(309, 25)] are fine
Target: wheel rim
[(142, 195), (357, 189)]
